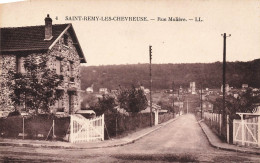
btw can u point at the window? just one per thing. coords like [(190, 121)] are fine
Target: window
[(59, 106), (20, 64), (71, 71), (1, 64), (65, 39), (57, 66)]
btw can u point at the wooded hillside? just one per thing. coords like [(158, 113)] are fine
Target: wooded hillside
[(210, 74)]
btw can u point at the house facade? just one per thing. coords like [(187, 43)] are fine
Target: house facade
[(59, 44), (207, 106)]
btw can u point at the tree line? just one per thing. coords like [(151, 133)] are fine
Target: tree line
[(208, 74)]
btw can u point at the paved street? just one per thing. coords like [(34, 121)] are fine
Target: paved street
[(181, 140)]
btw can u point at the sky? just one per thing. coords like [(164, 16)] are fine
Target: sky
[(127, 42)]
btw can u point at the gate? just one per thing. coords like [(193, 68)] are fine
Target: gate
[(247, 131), (86, 130)]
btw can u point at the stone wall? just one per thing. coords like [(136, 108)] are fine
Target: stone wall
[(7, 62), (68, 56)]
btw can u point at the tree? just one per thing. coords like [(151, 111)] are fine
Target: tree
[(89, 101), (35, 89), (132, 100), (166, 105), (244, 103), (105, 104)]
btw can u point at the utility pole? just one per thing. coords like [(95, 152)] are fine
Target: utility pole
[(224, 79), (179, 101), (151, 111), (187, 106), (173, 96), (201, 100)]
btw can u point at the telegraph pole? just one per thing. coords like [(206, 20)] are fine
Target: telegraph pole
[(151, 112), (201, 100), (224, 78), (179, 101), (187, 106), (173, 96)]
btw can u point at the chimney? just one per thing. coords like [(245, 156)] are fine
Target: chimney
[(48, 28)]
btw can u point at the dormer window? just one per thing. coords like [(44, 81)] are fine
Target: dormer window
[(65, 39)]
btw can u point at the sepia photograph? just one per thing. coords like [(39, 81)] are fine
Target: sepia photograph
[(130, 81)]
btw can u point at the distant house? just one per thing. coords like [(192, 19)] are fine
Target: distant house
[(103, 90), (244, 86), (181, 89), (146, 91), (193, 87), (207, 106), (236, 95), (114, 91), (121, 110), (90, 89), (256, 91), (227, 89), (58, 44), (154, 107), (180, 104)]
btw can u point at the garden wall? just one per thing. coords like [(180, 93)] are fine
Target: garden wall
[(118, 124), (165, 117), (36, 127)]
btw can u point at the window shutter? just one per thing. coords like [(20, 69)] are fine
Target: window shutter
[(58, 66), (20, 65)]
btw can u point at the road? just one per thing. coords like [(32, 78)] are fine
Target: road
[(181, 140)]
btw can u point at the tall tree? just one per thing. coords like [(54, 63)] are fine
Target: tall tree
[(132, 100), (105, 104), (36, 88)]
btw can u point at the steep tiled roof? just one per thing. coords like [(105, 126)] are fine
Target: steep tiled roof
[(28, 38), (31, 38)]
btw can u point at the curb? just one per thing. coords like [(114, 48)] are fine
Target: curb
[(75, 147), (224, 148)]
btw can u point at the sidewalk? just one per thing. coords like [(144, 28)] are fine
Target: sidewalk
[(217, 143), (131, 138)]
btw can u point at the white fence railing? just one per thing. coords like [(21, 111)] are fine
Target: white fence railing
[(247, 131), (214, 118), (86, 130)]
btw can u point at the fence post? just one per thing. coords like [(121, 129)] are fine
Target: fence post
[(243, 130), (234, 131), (258, 119), (71, 129), (103, 128), (23, 127), (53, 128), (211, 119), (88, 130), (220, 123), (156, 117), (227, 128)]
